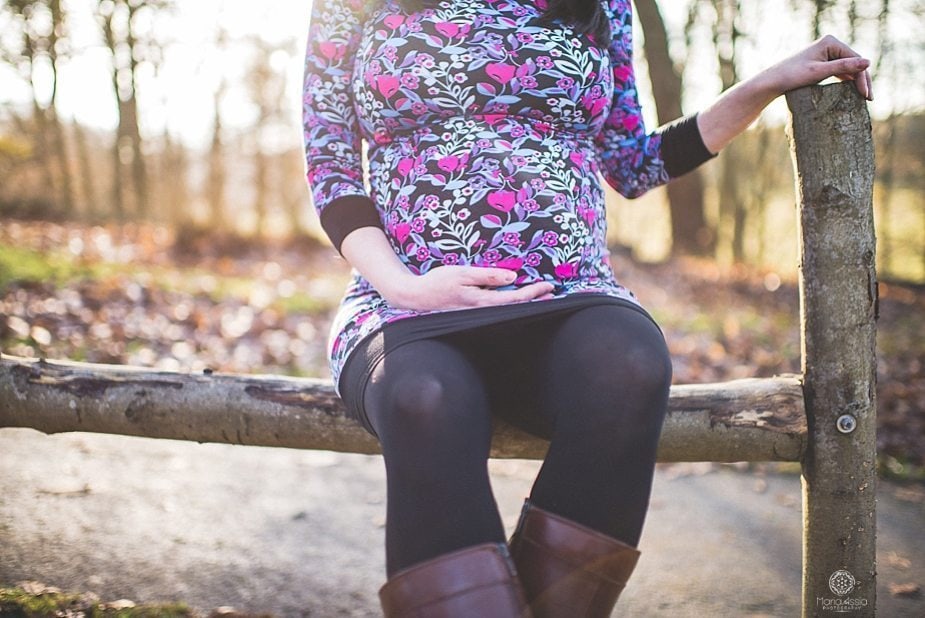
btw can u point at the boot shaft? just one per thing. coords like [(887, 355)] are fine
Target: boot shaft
[(569, 570), (475, 581)]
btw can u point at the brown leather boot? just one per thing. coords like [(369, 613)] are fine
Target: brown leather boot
[(569, 570), (472, 582)]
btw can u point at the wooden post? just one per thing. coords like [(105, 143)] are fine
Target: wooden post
[(834, 165)]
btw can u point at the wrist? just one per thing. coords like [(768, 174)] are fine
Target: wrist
[(369, 252), (770, 83), (398, 288)]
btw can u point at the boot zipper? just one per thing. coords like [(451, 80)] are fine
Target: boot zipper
[(523, 517), (508, 559)]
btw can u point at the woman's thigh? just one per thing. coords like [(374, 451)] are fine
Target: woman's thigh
[(595, 347)]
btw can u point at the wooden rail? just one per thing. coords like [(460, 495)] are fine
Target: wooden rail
[(825, 418), (759, 420)]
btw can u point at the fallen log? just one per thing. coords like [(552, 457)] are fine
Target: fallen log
[(743, 420)]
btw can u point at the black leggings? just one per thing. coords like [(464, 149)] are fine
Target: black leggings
[(595, 382)]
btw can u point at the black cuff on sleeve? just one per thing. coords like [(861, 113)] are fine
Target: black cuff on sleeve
[(346, 214), (682, 146)]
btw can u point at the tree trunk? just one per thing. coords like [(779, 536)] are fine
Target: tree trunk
[(42, 150), (133, 129), (761, 189), (62, 164), (261, 189), (117, 18), (293, 193), (139, 167), (215, 186), (887, 184), (732, 212), (117, 190), (821, 6), (732, 208), (59, 140), (690, 233), (87, 173), (37, 48), (175, 191), (40, 118)]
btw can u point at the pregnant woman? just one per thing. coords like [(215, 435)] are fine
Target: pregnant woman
[(482, 285)]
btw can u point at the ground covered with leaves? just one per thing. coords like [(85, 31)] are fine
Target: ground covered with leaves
[(32, 599), (36, 600), (141, 295)]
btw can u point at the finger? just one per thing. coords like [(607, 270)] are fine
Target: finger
[(861, 81), (851, 69), (539, 289), (858, 80), (505, 297), (847, 66), (835, 49), (488, 276)]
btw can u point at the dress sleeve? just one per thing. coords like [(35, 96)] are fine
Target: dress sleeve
[(634, 160), (332, 139)]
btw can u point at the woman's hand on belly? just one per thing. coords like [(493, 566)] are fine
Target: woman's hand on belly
[(446, 287), (460, 287)]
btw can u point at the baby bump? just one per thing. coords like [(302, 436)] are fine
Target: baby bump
[(473, 195)]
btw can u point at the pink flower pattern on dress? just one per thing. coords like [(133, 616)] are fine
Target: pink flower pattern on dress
[(487, 137)]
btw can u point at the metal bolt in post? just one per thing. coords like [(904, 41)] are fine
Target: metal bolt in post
[(846, 423)]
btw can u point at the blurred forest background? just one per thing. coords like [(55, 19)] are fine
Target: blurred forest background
[(153, 208), (115, 111)]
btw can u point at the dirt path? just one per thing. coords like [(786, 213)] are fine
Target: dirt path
[(301, 533)]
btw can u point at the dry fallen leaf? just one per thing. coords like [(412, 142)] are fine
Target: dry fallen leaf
[(909, 590), (121, 604), (895, 560), (37, 588), (911, 494)]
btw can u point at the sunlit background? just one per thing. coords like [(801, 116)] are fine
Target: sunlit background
[(216, 105)]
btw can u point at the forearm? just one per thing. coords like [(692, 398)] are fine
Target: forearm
[(734, 110), (739, 106), (368, 250)]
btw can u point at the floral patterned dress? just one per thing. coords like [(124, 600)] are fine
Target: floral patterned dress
[(487, 139)]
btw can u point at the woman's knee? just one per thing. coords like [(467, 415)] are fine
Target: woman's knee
[(423, 387), (615, 348), (645, 363), (423, 396)]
